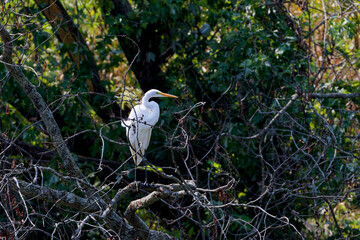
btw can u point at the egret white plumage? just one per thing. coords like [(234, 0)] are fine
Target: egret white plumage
[(140, 122)]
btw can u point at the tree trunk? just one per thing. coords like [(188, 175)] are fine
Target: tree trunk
[(147, 66)]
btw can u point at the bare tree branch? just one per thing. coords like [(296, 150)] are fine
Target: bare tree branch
[(64, 198), (334, 95), (130, 213)]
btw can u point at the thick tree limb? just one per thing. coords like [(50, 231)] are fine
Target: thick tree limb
[(167, 189), (54, 196), (164, 191)]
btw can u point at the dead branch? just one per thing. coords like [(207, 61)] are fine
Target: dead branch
[(163, 192), (334, 95), (64, 198)]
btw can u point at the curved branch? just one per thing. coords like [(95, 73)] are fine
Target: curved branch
[(163, 191)]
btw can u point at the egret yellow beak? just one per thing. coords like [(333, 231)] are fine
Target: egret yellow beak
[(168, 95)]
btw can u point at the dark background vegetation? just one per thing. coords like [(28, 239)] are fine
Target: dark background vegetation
[(266, 124)]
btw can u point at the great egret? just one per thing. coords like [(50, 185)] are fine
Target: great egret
[(140, 122)]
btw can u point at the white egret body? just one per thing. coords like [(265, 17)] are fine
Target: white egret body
[(140, 122)]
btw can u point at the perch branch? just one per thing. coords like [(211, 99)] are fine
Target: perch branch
[(163, 191)]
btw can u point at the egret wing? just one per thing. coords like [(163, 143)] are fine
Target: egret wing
[(138, 129), (139, 137)]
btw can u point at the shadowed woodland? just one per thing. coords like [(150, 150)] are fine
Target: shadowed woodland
[(261, 143)]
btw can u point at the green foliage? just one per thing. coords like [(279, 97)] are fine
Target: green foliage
[(243, 60)]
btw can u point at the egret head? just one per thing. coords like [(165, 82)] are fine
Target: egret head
[(156, 93)]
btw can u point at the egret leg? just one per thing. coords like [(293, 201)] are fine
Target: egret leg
[(135, 176), (145, 174)]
